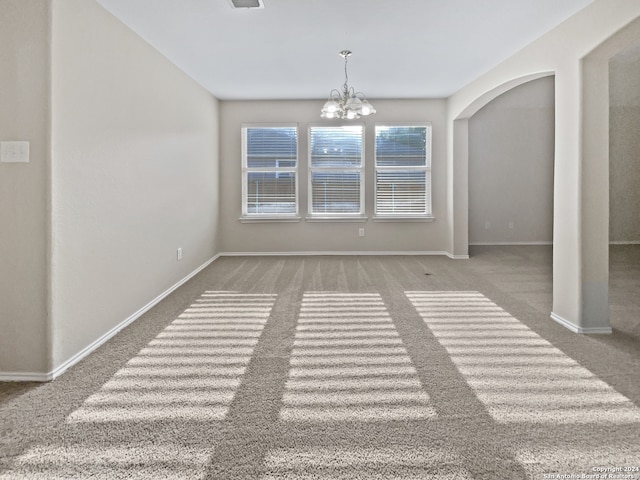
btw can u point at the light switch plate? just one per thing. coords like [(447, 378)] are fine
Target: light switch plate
[(14, 152)]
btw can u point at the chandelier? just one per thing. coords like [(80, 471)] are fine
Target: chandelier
[(347, 103)]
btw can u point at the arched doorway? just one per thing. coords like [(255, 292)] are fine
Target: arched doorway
[(511, 156)]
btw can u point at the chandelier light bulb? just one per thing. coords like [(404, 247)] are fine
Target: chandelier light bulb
[(367, 108), (331, 106)]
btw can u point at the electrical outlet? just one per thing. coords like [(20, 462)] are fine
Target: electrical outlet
[(179, 254), (361, 232), (511, 225), (487, 225), (14, 152)]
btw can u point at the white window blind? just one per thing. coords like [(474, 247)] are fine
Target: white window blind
[(270, 163), (403, 170), (336, 170)]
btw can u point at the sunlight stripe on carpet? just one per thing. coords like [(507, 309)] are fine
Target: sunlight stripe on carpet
[(191, 370), (334, 463), (131, 461), (518, 375), (348, 363)]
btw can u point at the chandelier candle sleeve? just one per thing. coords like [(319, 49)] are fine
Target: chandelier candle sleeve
[(347, 103)]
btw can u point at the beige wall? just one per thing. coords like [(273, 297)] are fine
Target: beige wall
[(306, 236), (24, 113), (624, 153), (123, 171), (134, 175), (511, 142)]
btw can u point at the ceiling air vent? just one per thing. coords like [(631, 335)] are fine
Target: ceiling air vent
[(247, 3)]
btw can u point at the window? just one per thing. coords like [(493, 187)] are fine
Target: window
[(269, 171), (403, 171), (336, 170)]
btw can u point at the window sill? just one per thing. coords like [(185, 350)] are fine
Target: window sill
[(404, 218), (269, 219), (336, 219)]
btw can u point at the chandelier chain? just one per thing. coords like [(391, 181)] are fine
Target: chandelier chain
[(345, 87)]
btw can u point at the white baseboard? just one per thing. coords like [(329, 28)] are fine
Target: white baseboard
[(456, 257), (574, 328), (312, 253), (506, 244), (489, 244), (24, 377), (45, 377)]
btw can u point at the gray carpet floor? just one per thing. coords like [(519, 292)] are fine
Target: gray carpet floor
[(344, 367)]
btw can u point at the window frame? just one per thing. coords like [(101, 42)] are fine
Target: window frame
[(427, 216), (269, 217), (360, 170)]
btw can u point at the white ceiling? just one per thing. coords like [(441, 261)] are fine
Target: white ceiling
[(289, 49)]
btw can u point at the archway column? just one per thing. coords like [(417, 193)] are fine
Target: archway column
[(580, 231), (458, 189), (589, 111)]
